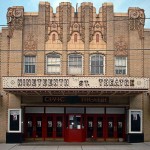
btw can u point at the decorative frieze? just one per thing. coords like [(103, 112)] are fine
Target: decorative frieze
[(137, 20)]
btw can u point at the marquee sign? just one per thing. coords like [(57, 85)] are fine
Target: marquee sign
[(75, 82)]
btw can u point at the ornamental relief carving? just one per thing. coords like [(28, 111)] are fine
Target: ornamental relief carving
[(137, 20), (120, 48), (84, 11), (61, 23), (65, 10), (30, 43), (14, 19), (47, 20), (104, 23)]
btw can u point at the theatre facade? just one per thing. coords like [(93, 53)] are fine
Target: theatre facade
[(75, 75)]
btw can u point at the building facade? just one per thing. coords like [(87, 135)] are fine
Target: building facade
[(74, 75)]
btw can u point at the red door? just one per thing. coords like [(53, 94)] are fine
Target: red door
[(34, 126), (95, 126), (115, 127), (75, 129), (54, 126)]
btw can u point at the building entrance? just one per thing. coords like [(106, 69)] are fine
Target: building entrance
[(75, 127), (43, 127), (105, 127)]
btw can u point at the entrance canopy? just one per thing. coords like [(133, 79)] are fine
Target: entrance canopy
[(81, 86)]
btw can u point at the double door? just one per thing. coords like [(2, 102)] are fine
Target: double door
[(43, 126), (105, 127)]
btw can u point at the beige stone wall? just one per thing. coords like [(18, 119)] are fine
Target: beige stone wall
[(4, 72), (147, 74)]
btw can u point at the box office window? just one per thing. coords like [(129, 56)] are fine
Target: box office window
[(121, 65), (75, 64), (53, 64), (29, 64), (97, 64)]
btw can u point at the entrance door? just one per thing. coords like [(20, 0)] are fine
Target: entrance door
[(74, 131), (34, 126), (95, 126), (55, 126), (115, 127)]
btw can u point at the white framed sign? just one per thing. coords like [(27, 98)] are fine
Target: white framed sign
[(135, 121), (75, 82), (14, 120)]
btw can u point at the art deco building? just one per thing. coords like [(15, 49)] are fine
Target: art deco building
[(75, 75)]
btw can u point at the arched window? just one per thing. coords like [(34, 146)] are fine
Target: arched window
[(97, 64), (75, 64), (53, 37), (75, 38), (97, 38), (53, 63)]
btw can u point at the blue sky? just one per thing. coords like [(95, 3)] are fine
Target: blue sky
[(32, 6)]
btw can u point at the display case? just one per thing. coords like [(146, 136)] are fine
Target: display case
[(135, 126), (14, 133)]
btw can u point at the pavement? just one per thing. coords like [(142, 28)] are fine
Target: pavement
[(76, 146)]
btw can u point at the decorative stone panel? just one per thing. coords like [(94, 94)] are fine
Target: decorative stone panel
[(120, 48), (30, 43), (15, 19), (86, 9), (137, 20)]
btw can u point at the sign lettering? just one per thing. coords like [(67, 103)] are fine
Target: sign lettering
[(75, 82)]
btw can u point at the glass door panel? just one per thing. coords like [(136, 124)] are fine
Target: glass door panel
[(110, 127), (120, 125), (100, 127), (90, 128), (50, 126), (75, 122), (38, 127), (59, 126), (29, 127)]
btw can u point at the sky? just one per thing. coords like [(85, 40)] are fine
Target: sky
[(32, 6)]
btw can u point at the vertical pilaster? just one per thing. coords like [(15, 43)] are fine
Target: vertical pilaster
[(109, 38), (65, 21)]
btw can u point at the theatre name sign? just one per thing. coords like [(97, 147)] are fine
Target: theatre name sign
[(75, 82)]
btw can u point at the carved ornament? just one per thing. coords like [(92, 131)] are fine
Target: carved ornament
[(137, 20), (14, 19), (87, 11), (65, 10), (120, 48), (104, 23), (30, 43), (47, 20)]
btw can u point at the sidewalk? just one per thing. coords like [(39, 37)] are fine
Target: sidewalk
[(76, 146)]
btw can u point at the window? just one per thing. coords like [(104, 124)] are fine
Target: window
[(97, 64), (29, 62), (53, 63), (75, 64), (121, 65)]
